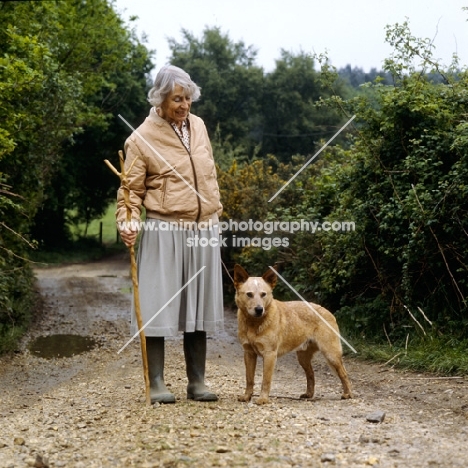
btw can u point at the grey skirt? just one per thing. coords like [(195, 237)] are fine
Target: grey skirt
[(167, 260)]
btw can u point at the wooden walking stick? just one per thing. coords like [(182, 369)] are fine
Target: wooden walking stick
[(136, 296)]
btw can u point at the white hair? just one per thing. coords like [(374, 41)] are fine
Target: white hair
[(165, 81)]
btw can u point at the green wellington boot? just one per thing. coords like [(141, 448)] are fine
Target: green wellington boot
[(195, 358), (155, 352)]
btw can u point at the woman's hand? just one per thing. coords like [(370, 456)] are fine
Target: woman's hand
[(129, 232)]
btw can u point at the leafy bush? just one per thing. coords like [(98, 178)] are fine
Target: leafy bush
[(404, 183)]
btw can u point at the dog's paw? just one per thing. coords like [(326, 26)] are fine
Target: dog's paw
[(307, 396), (262, 401), (244, 398), (346, 396)]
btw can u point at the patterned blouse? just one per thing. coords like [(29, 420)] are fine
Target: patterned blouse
[(184, 134)]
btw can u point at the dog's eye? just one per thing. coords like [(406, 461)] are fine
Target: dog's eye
[(249, 294), (263, 294)]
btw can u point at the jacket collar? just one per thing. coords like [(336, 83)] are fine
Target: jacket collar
[(154, 117)]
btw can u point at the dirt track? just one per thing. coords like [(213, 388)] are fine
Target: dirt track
[(89, 410)]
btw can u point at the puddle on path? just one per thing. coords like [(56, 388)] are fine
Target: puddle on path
[(59, 346)]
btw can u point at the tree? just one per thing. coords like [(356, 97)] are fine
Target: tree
[(111, 67), (356, 76), (231, 84), (65, 68), (292, 123)]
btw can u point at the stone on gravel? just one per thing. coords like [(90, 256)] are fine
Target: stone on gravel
[(328, 458), (376, 417), (222, 450), (40, 462), (19, 441)]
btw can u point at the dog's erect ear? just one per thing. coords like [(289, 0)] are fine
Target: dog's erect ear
[(270, 277), (240, 275)]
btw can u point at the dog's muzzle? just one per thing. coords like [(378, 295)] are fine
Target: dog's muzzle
[(258, 311)]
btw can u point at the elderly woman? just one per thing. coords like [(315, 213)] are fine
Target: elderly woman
[(173, 176)]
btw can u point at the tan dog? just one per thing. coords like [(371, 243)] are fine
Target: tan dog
[(270, 328)]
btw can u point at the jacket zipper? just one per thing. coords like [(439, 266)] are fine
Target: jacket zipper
[(196, 188), (195, 180)]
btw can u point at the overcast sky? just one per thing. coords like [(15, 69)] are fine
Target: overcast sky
[(350, 31)]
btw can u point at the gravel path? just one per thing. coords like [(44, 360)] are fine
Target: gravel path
[(89, 410)]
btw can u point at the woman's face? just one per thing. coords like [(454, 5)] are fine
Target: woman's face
[(176, 106)]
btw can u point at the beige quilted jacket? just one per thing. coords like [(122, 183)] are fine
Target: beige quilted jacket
[(171, 183)]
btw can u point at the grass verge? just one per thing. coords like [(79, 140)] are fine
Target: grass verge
[(98, 240), (101, 230), (18, 304), (438, 354)]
